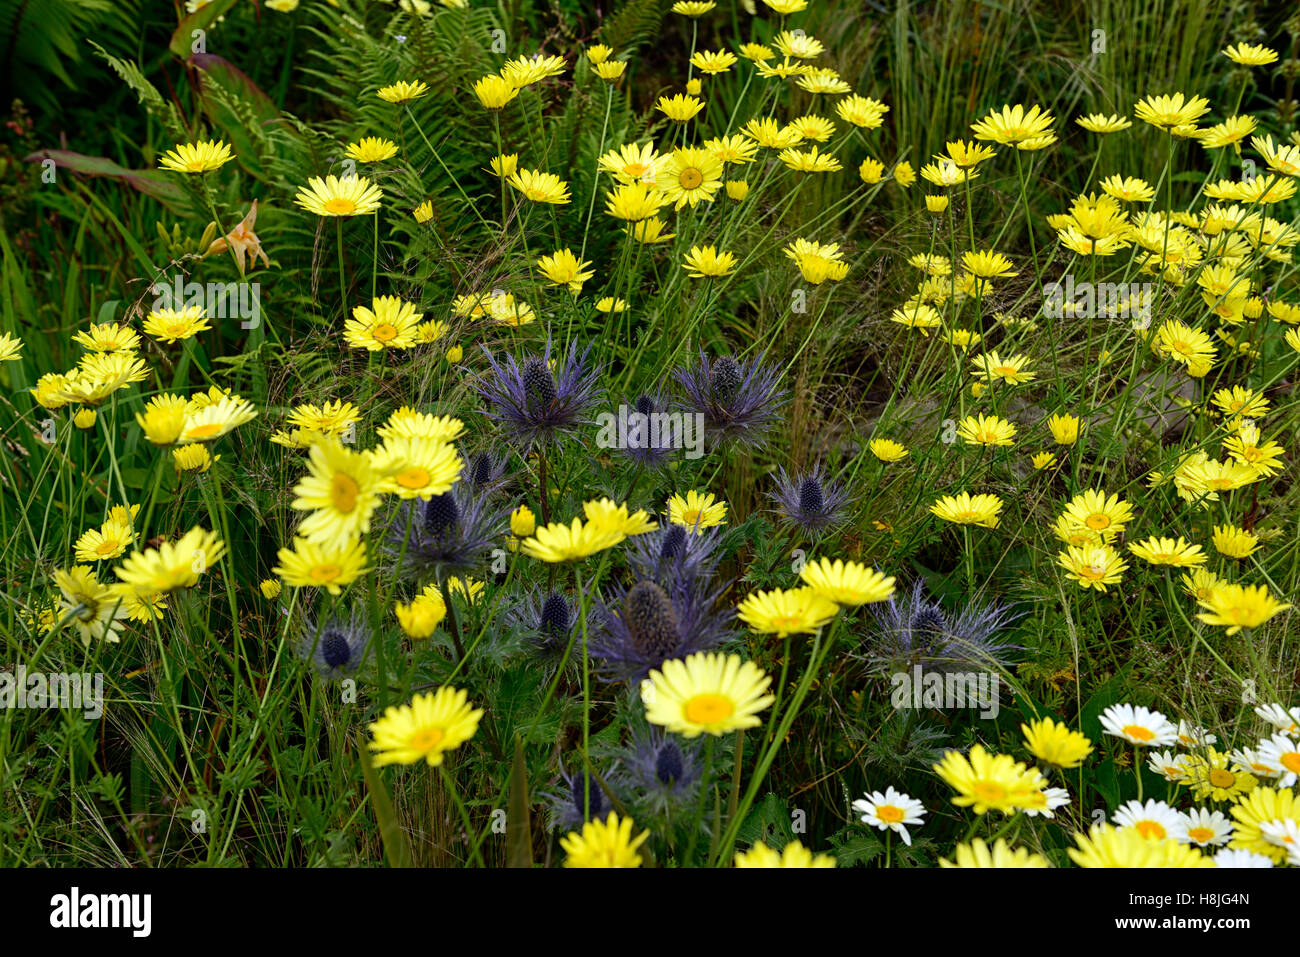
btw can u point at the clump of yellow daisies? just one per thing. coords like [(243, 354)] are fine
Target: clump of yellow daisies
[(344, 487), (94, 606), (1233, 808)]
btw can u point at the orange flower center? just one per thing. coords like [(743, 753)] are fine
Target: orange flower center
[(205, 431), (1221, 778), (340, 206), (384, 332), (325, 573), (690, 178), (343, 492), (1200, 834), (708, 709), (426, 739), (1291, 761), (1151, 830), (1138, 732), (414, 478), (1097, 521), (889, 814), (990, 791)]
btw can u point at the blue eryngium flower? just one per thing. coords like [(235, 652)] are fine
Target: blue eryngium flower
[(810, 502), (486, 471), (660, 770), (641, 445), (446, 535), (567, 804), (533, 405), (913, 630), (739, 400), (335, 647), (671, 552), (647, 624), (548, 626)]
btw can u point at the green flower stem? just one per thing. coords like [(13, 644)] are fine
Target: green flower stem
[(819, 654), (462, 811)]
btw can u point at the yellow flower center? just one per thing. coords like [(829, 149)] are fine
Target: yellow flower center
[(414, 478), (1184, 347), (1200, 834), (1291, 761), (889, 814), (340, 206), (325, 573), (1097, 521), (177, 329), (690, 178), (426, 739), (989, 792), (1221, 778), (787, 621), (343, 492), (1138, 732), (708, 709), (635, 170), (1151, 830), (205, 431), (106, 548), (1093, 572), (384, 332)]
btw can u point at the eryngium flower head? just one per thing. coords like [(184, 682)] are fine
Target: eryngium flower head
[(810, 501), (660, 770), (547, 625), (447, 535), (739, 400), (486, 472), (534, 405), (573, 795), (671, 553), (912, 630), (337, 647), (643, 443), (647, 624)]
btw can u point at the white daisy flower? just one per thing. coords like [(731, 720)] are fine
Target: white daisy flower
[(1281, 754), (1139, 726), (1154, 820), (1204, 828), (1054, 798), (1248, 758), (1170, 766), (1226, 858), (1284, 832), (1286, 721), (1193, 736), (892, 810)]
